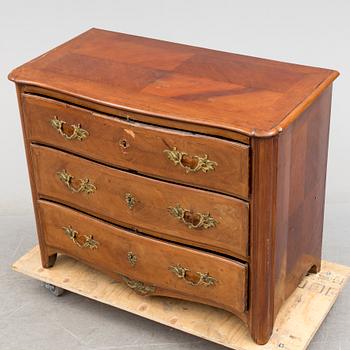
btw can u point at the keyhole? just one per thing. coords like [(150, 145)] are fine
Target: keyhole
[(124, 144)]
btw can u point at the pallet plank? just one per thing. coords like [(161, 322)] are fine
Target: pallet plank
[(296, 324)]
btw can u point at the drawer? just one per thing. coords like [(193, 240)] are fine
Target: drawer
[(188, 215), (161, 267), (184, 157)]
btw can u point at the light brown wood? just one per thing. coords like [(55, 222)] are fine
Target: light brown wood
[(302, 164), (243, 94), (298, 321), (133, 116), (228, 291), (287, 209), (140, 147), (47, 259), (153, 199), (262, 233)]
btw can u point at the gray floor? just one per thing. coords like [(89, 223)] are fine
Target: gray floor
[(32, 318)]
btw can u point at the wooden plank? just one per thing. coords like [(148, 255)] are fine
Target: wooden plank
[(173, 82), (297, 322)]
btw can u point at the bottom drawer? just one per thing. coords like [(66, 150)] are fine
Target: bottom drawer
[(147, 265)]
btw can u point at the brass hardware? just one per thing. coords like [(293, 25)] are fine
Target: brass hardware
[(84, 185), (138, 286), (77, 134), (203, 278), (190, 163), (84, 241), (132, 258), (130, 200), (193, 220)]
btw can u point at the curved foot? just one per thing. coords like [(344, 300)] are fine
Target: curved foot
[(48, 260), (261, 338), (261, 331), (315, 268)]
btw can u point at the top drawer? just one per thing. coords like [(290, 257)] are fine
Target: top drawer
[(198, 160)]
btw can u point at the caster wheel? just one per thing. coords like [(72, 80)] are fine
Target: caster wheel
[(56, 291)]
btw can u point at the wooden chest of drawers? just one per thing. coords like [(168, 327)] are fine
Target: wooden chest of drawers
[(177, 170)]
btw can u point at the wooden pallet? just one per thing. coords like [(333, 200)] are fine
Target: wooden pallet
[(297, 322)]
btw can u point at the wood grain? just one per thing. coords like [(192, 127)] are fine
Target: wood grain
[(153, 199), (228, 292), (262, 242), (130, 93), (140, 147), (298, 321), (211, 130), (47, 259), (302, 165), (287, 212), (171, 81)]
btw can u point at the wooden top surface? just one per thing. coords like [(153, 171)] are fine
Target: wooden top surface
[(239, 93)]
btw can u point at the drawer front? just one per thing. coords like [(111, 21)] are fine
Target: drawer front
[(171, 211), (160, 266), (202, 161)]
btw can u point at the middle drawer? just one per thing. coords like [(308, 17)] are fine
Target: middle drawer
[(166, 210)]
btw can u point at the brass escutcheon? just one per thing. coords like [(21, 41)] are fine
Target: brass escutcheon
[(190, 163), (77, 134), (132, 258), (193, 220), (82, 241), (203, 278), (130, 200), (84, 184)]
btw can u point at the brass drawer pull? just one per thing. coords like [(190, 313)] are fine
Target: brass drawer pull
[(82, 241), (84, 184), (190, 163), (200, 278), (77, 132), (191, 219), (138, 286)]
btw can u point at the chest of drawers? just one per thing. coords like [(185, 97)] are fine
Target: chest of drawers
[(179, 171)]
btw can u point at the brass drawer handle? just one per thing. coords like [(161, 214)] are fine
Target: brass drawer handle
[(138, 286), (84, 184), (78, 133), (200, 278), (190, 163), (82, 241), (191, 219)]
